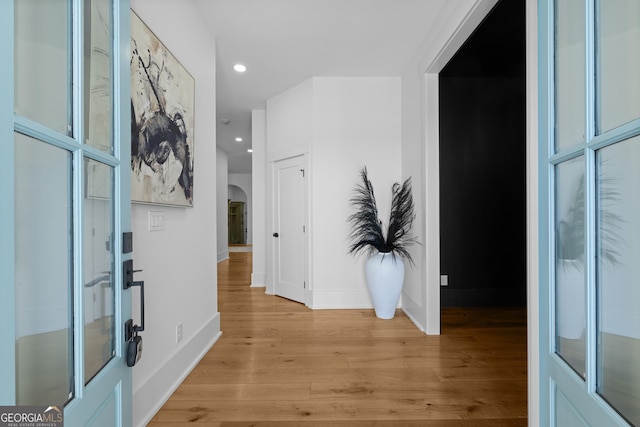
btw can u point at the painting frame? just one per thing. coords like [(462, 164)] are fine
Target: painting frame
[(162, 122)]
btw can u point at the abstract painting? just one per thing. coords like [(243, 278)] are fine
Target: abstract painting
[(162, 122)]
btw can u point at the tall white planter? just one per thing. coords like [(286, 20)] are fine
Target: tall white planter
[(570, 299), (385, 276)]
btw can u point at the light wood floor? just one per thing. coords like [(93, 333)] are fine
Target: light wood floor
[(279, 363)]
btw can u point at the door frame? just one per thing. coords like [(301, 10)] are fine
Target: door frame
[(242, 206), (7, 243), (432, 64), (533, 313)]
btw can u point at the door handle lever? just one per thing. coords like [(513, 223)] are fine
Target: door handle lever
[(131, 337), (128, 282)]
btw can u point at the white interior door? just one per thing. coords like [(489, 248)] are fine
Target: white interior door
[(589, 213), (289, 228), (69, 205)]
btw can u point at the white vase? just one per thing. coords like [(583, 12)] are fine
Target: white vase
[(570, 299), (385, 276)]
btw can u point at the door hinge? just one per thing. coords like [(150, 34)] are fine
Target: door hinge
[(304, 229)]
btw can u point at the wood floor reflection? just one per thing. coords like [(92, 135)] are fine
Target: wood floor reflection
[(279, 363)]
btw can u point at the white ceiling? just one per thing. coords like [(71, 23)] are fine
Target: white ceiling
[(285, 42)]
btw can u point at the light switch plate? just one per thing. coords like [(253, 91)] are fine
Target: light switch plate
[(156, 220)]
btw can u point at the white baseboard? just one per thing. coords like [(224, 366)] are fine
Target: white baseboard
[(258, 280), (222, 255), (411, 309), (149, 397), (414, 321), (338, 299)]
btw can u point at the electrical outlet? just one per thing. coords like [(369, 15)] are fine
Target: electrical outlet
[(178, 332), (444, 280)]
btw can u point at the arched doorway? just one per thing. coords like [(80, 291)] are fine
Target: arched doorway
[(237, 218)]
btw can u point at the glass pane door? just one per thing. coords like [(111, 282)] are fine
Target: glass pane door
[(589, 94), (571, 289), (618, 252), (43, 55), (70, 202), (618, 44), (98, 196), (98, 271), (570, 97), (44, 273)]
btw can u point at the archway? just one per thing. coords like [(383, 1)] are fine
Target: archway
[(237, 215)]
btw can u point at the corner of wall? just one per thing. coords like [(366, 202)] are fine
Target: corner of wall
[(156, 390), (258, 280), (223, 255), (222, 193), (259, 197)]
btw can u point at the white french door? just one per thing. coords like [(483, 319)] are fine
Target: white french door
[(66, 205), (589, 212)]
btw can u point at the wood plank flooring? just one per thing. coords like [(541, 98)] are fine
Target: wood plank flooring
[(279, 363)]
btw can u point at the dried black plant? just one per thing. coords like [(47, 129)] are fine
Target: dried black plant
[(570, 243), (367, 231)]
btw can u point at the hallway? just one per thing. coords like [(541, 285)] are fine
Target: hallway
[(279, 363)]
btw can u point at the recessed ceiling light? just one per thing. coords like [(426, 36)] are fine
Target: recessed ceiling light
[(249, 150), (238, 139), (240, 68)]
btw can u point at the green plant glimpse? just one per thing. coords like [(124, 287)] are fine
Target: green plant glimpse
[(368, 233)]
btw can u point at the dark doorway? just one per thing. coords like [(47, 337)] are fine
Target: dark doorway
[(483, 164), (236, 223)]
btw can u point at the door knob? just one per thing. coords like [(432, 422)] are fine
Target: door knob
[(276, 235)]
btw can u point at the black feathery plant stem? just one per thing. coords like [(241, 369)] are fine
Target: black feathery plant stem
[(401, 219), (570, 242), (367, 232)]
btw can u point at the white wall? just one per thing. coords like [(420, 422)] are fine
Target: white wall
[(355, 123), (222, 222), (420, 132), (243, 181), (420, 152), (179, 263), (413, 155), (236, 194), (259, 192), (289, 130), (289, 122)]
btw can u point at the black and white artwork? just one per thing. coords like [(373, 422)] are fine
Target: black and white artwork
[(162, 122)]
